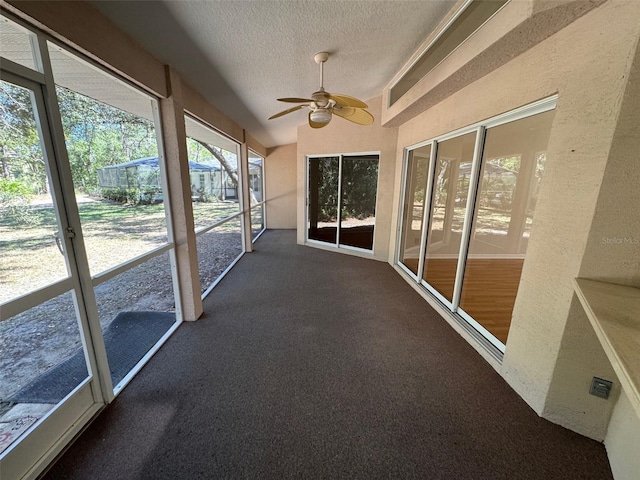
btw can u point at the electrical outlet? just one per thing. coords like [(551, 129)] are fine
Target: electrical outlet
[(600, 387)]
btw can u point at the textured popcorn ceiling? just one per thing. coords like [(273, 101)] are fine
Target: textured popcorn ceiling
[(242, 55)]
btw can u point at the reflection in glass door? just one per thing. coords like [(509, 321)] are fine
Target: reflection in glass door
[(512, 166), (481, 195), (418, 161), (43, 358), (324, 174), (446, 216), (342, 194), (359, 185)]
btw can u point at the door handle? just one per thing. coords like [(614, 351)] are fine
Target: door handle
[(56, 235)]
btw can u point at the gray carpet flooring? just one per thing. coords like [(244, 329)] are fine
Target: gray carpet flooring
[(311, 364)]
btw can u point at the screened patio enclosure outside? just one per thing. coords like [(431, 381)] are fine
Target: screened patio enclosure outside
[(91, 291), (144, 174)]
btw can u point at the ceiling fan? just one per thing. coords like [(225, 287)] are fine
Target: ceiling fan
[(323, 105)]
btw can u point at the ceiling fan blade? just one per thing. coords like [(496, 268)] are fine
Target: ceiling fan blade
[(355, 115), (295, 100), (313, 124), (284, 112), (343, 112), (347, 101)]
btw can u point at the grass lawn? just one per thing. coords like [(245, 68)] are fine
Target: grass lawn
[(113, 233), (43, 336)]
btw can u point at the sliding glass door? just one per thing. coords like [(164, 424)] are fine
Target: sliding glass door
[(359, 184), (512, 166), (470, 209), (449, 192), (418, 162), (342, 192), (324, 177)]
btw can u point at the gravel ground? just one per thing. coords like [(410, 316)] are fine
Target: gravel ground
[(42, 337)]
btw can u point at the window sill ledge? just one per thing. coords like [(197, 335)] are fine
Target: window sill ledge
[(614, 313)]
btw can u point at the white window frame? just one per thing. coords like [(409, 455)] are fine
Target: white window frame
[(240, 214), (263, 202), (484, 337), (337, 245)]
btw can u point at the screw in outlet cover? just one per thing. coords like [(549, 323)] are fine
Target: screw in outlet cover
[(600, 387)]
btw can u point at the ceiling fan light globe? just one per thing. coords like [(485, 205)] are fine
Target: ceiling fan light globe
[(321, 116)]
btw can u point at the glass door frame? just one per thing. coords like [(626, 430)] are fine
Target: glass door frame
[(495, 346), (240, 215), (37, 446), (336, 244), (263, 202), (319, 243), (425, 209), (89, 282), (41, 443)]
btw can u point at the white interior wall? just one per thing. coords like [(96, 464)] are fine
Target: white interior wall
[(280, 186), (622, 441)]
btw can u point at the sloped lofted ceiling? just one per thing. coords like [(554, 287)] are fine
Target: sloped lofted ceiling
[(242, 55)]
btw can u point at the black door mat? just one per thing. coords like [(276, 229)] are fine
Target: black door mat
[(129, 337)]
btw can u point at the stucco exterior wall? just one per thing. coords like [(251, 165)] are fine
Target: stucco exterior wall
[(280, 177), (613, 252), (613, 248), (589, 192), (341, 136)]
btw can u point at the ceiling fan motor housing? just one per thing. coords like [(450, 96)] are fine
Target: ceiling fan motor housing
[(321, 116), (320, 98)]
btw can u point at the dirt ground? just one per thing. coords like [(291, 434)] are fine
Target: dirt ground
[(40, 338)]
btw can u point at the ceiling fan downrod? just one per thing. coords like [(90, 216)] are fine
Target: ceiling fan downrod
[(320, 58)]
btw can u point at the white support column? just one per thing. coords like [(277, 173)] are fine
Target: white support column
[(245, 198), (520, 202), (179, 201)]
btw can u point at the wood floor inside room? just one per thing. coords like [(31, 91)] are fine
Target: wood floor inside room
[(488, 292)]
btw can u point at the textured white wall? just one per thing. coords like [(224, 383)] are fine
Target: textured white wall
[(280, 177), (622, 441)]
